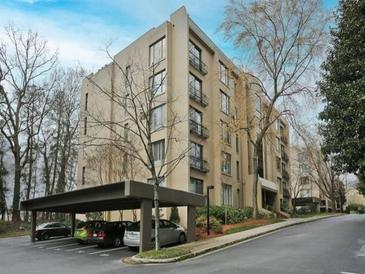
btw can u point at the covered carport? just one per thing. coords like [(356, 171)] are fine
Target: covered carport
[(117, 196)]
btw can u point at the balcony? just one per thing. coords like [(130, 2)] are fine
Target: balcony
[(199, 164), (198, 129), (198, 96), (197, 63)]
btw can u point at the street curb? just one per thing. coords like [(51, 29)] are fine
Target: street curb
[(137, 260)]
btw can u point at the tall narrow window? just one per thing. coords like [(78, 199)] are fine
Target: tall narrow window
[(158, 117), (83, 175), (225, 105), (196, 185), (195, 87), (258, 104), (86, 100), (126, 131), (223, 74), (238, 170), (158, 83), (196, 151), (226, 163), (158, 151), (225, 133), (237, 143), (157, 51), (226, 195), (85, 125)]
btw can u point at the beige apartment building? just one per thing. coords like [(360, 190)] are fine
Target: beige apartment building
[(213, 100), (304, 185)]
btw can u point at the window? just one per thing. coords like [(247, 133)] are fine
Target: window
[(196, 151), (237, 143), (226, 163), (238, 170), (158, 117), (304, 181), (86, 100), (224, 103), (157, 51), (85, 125), (196, 185), (126, 131), (225, 133), (195, 53), (195, 86), (223, 73), (278, 163), (303, 168), (278, 147), (158, 151), (128, 76), (83, 175), (226, 195), (258, 104), (158, 83), (195, 116)]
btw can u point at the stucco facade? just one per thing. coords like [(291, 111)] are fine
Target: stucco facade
[(223, 158)]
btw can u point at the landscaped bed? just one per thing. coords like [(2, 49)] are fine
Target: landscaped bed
[(9, 229), (163, 253)]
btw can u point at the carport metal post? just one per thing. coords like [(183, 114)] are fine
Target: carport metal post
[(145, 226), (191, 224), (34, 225), (73, 219)]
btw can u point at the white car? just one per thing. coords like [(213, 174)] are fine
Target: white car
[(170, 233)]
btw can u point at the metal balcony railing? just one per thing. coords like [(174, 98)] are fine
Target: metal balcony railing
[(197, 63), (198, 96), (199, 164), (198, 129)]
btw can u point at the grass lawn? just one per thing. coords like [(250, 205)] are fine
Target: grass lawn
[(164, 253), (9, 229)]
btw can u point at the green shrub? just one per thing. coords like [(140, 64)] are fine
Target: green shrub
[(234, 215), (353, 207), (174, 216), (215, 225)]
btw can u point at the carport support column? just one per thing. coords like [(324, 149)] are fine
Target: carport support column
[(146, 226), (191, 224), (34, 225), (73, 219)]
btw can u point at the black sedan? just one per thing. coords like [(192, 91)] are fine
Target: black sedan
[(48, 230)]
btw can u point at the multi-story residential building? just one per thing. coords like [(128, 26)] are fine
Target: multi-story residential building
[(305, 190), (211, 91)]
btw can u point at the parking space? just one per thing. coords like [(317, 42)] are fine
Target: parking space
[(69, 247)]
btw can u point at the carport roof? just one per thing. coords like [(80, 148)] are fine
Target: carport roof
[(115, 196)]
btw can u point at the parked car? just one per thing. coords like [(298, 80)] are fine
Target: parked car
[(110, 234), (48, 230), (170, 233), (84, 230)]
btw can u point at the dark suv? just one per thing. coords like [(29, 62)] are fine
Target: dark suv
[(48, 230), (110, 234)]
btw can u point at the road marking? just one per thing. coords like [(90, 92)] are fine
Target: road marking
[(362, 252), (49, 242), (108, 250), (348, 273), (55, 247), (80, 248), (104, 255)]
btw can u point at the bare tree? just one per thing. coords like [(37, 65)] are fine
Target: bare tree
[(135, 97), (3, 185), (283, 39), (24, 59)]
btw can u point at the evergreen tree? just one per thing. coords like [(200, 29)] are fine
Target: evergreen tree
[(343, 88)]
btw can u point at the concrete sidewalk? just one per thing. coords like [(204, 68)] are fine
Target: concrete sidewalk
[(200, 247)]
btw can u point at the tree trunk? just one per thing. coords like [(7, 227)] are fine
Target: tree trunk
[(157, 214), (16, 192)]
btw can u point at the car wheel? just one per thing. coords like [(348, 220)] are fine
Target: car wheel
[(182, 238), (117, 242), (45, 236)]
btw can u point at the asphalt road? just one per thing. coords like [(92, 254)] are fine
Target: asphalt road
[(335, 245)]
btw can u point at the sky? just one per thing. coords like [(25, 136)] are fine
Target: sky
[(81, 29)]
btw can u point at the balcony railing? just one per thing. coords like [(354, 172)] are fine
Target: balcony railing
[(198, 129), (198, 96), (197, 63), (199, 164)]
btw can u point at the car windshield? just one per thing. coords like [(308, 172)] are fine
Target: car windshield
[(43, 225)]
